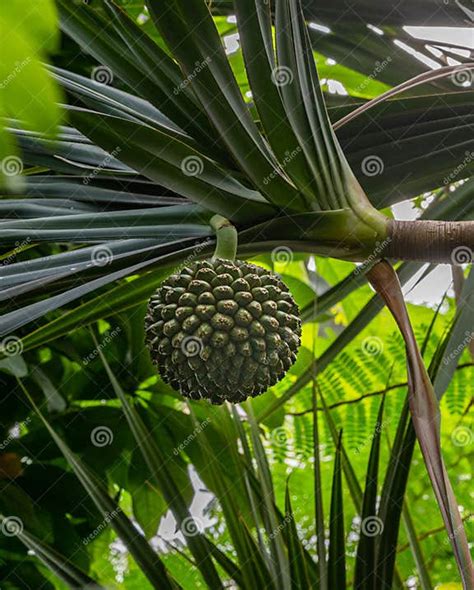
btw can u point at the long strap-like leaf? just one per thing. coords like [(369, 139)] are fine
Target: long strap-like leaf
[(255, 33), (337, 542), (300, 579), (159, 81), (254, 562), (189, 31), (460, 334), (66, 571), (280, 560), (173, 163), (357, 494), (318, 493), (150, 563), (365, 573), (408, 85), (426, 419), (160, 473)]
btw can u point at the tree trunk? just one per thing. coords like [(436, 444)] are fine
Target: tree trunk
[(450, 242)]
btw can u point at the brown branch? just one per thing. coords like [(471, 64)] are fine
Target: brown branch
[(367, 395), (426, 534), (450, 242)]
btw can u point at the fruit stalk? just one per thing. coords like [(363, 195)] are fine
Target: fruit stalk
[(227, 238)]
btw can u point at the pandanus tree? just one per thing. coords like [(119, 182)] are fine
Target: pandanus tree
[(150, 173)]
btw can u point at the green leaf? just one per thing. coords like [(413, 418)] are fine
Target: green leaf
[(392, 495), (407, 85), (154, 76), (449, 354), (40, 20), (173, 163), (304, 105), (318, 497), (11, 321), (147, 501), (160, 473), (141, 551), (271, 520), (415, 545), (300, 579), (365, 572), (255, 34), (349, 472), (190, 33), (409, 13), (256, 567), (57, 563), (27, 90), (337, 542)]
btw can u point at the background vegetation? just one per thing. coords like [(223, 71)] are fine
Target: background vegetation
[(74, 357)]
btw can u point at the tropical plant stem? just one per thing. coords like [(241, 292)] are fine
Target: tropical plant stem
[(227, 237), (449, 242)]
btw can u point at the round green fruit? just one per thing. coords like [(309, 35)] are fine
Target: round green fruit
[(222, 330)]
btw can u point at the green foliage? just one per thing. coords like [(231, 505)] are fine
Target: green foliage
[(29, 32), (113, 477), (287, 447)]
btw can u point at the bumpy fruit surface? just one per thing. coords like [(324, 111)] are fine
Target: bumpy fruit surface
[(222, 330)]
